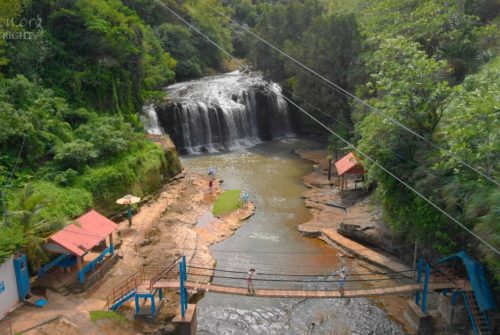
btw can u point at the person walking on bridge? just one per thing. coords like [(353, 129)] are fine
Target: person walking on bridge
[(250, 277), (342, 276)]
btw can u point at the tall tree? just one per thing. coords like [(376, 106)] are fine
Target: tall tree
[(9, 13), (35, 230), (406, 85)]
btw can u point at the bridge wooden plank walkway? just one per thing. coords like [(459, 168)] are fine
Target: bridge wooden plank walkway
[(276, 293)]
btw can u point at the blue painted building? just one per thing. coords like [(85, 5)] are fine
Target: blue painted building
[(14, 283)]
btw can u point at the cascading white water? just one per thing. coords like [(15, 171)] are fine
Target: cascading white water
[(281, 105), (150, 120), (224, 112)]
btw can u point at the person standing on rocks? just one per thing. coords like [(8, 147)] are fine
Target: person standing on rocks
[(250, 277), (211, 173), (244, 198)]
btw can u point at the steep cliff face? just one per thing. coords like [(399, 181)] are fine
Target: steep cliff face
[(173, 166), (223, 113)]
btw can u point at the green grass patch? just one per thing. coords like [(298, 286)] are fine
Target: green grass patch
[(226, 203), (106, 315)]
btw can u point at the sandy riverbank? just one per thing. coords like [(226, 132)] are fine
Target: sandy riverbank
[(163, 229)]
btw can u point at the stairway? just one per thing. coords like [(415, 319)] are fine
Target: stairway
[(479, 320)]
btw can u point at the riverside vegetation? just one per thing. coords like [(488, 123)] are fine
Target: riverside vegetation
[(72, 94)]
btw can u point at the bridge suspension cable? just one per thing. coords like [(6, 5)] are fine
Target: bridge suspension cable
[(430, 202), (346, 93), (406, 159)]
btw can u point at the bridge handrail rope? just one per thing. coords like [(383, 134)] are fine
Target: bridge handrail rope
[(447, 276), (302, 281), (160, 274), (303, 293), (144, 274), (299, 275), (276, 265)]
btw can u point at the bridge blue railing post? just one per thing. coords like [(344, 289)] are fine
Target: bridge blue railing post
[(454, 297), (181, 286), (137, 305), (184, 286), (153, 305), (420, 268), (182, 278), (426, 287)]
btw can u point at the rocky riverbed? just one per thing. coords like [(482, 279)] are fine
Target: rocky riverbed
[(355, 215)]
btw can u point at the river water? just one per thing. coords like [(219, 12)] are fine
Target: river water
[(270, 243)]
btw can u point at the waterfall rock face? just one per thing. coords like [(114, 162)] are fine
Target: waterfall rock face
[(150, 120), (224, 112)]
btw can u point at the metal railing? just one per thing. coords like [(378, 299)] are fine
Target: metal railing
[(93, 264), (54, 262), (474, 312), (147, 275)]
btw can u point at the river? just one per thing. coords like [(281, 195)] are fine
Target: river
[(270, 243)]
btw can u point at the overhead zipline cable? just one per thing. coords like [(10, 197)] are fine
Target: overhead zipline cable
[(347, 142), (430, 202), (347, 93)]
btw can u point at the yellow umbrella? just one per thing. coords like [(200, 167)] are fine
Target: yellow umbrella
[(128, 200)]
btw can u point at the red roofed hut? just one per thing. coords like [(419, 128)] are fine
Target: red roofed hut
[(348, 164), (89, 232)]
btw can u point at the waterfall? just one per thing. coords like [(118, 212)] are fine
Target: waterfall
[(150, 120), (225, 112)]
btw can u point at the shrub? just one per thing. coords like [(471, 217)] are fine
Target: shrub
[(75, 154)]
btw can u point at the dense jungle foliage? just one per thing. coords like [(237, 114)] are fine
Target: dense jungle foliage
[(74, 76), (432, 66), (71, 97)]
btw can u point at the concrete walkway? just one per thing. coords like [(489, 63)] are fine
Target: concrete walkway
[(365, 253)]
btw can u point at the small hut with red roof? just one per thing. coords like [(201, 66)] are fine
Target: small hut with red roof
[(91, 233), (349, 164)]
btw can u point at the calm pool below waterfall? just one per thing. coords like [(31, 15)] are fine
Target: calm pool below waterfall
[(270, 243)]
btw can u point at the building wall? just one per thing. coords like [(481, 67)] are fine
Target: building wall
[(9, 297)]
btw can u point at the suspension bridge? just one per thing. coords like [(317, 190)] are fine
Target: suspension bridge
[(149, 284), (150, 280), (298, 293)]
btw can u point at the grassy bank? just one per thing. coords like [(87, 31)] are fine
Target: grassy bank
[(226, 203)]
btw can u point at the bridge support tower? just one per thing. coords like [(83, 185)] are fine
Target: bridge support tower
[(185, 322), (416, 311)]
